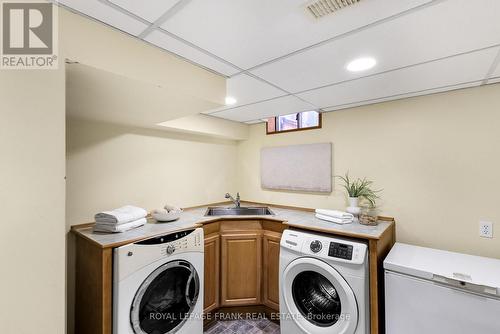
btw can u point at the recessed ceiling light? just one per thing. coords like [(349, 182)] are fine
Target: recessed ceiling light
[(361, 64), (230, 100)]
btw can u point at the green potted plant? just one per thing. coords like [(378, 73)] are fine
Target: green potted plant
[(356, 189)]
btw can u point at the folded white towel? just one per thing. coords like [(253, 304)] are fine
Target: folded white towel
[(335, 214), (122, 215), (334, 220), (114, 228)]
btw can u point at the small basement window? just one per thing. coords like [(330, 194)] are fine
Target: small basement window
[(305, 120)]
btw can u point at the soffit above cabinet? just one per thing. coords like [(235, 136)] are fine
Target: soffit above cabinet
[(98, 95)]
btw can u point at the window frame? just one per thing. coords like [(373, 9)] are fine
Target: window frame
[(319, 126)]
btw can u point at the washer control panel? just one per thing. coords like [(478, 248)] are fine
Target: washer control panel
[(340, 250), (324, 246), (165, 245), (128, 258), (183, 242)]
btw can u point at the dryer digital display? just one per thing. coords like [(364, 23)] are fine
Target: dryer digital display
[(341, 251)]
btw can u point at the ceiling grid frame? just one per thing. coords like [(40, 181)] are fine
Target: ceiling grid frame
[(346, 34), (430, 91), (404, 67), (152, 26), (156, 26), (493, 68), (72, 10), (369, 76), (164, 17)]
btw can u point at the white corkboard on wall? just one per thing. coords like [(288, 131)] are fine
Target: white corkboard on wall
[(305, 167)]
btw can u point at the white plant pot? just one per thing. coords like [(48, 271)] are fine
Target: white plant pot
[(353, 207)]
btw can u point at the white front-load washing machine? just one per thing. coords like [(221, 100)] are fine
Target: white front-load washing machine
[(324, 285), (158, 285)]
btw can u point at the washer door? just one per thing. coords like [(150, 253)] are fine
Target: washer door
[(165, 299), (318, 298)]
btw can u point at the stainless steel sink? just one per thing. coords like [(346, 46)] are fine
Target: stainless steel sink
[(241, 211)]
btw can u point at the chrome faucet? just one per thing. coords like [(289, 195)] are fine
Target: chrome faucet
[(235, 201)]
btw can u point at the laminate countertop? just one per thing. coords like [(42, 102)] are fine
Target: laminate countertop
[(195, 217)]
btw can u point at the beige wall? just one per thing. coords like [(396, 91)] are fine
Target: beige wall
[(436, 157), (110, 165), (32, 167)]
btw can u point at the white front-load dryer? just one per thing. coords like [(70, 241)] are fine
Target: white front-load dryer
[(158, 285), (324, 285)]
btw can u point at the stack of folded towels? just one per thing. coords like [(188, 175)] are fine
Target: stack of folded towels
[(335, 216), (120, 220)]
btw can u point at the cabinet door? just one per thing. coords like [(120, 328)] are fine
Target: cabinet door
[(212, 270), (271, 259), (241, 268)]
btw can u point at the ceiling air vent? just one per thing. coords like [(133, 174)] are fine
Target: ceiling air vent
[(325, 7)]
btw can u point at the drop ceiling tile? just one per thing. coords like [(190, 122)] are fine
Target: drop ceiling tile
[(171, 44), (496, 72), (106, 14), (248, 33), (280, 106), (246, 89), (149, 10), (451, 71), (397, 43), (494, 80), (404, 96)]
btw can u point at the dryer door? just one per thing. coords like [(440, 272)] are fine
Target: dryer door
[(165, 299), (318, 298)]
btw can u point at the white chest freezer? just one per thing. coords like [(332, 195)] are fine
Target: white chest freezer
[(434, 291)]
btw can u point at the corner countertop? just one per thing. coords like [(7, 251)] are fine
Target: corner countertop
[(195, 217)]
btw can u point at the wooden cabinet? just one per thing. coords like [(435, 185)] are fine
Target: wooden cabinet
[(270, 260), (211, 272), (93, 293), (241, 268), (247, 272)]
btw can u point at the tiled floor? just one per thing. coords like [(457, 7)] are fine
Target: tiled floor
[(262, 326)]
